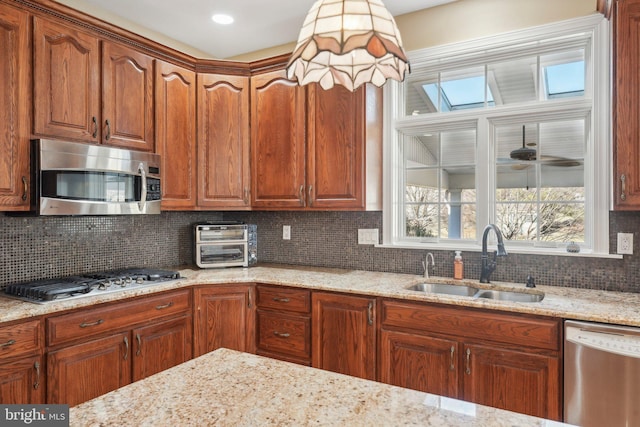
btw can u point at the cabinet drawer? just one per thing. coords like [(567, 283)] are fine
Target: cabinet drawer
[(92, 321), (463, 322), (284, 333), (283, 299), (20, 338)]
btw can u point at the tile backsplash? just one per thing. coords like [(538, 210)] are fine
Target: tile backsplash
[(43, 247)]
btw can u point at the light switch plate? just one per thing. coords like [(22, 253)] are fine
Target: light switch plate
[(625, 243), (367, 236)]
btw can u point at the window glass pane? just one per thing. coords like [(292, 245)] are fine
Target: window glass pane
[(421, 94), (440, 192), (513, 81), (564, 74), (540, 192), (464, 89)]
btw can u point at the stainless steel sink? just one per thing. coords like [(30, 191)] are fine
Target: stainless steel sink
[(443, 288), (470, 291), (513, 296)]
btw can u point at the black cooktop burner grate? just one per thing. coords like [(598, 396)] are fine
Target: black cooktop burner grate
[(66, 287)]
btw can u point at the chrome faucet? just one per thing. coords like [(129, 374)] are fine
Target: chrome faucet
[(425, 264), (489, 265)]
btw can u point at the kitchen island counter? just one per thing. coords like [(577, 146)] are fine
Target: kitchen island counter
[(229, 388)]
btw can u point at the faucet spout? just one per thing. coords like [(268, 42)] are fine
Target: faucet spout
[(425, 264), (488, 266)]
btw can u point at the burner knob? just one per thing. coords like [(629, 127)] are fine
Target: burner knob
[(139, 280)]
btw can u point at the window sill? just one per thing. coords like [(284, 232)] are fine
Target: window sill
[(511, 250)]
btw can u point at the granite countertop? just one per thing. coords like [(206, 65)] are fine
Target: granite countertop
[(229, 388), (570, 303)]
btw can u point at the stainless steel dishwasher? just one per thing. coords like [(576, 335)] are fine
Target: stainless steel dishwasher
[(601, 375)]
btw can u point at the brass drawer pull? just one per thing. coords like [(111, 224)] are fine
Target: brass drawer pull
[(623, 187), (139, 345), (370, 313), (8, 343), (126, 348), (452, 366), (108, 136), (163, 306), (278, 299), (95, 127), (468, 370), (25, 188), (96, 323), (311, 195), (301, 195), (281, 334)]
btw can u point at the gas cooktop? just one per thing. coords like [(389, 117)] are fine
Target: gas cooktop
[(48, 290)]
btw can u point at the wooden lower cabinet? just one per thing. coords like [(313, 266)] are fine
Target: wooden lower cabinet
[(22, 381), (96, 350), (507, 361), (161, 346), (344, 334), (224, 317), (84, 371)]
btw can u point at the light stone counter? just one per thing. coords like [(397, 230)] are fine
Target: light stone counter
[(228, 388), (571, 303)]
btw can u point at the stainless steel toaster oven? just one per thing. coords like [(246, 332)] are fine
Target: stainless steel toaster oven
[(226, 244)]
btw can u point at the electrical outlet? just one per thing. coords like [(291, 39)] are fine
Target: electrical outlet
[(286, 232), (625, 243), (367, 236)]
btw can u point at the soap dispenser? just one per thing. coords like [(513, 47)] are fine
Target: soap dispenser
[(458, 266)]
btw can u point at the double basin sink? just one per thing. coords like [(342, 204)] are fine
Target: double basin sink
[(470, 291)]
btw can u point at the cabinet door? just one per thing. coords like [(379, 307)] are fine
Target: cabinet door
[(14, 109), (161, 346), (224, 317), (626, 105), (223, 141), (344, 338), (22, 381), (419, 362), (66, 95), (335, 148), (176, 135), (81, 372), (127, 103), (519, 382), (277, 142)]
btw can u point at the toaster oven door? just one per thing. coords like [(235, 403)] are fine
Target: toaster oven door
[(230, 254)]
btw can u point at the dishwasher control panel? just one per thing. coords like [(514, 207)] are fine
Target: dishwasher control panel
[(612, 342)]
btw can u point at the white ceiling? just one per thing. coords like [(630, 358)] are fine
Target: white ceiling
[(259, 24)]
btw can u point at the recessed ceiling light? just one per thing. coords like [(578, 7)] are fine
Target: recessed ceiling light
[(222, 19)]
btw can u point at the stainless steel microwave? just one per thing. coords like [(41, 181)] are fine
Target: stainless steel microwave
[(70, 178), (225, 244)]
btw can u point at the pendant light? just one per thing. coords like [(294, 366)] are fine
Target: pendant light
[(348, 42)]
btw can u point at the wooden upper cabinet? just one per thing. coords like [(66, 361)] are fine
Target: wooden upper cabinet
[(335, 147), (223, 142), (626, 104), (14, 109), (176, 135), (66, 97), (277, 142), (127, 104)]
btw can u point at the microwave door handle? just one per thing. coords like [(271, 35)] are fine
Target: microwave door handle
[(143, 192)]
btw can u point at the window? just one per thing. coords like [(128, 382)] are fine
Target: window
[(504, 131)]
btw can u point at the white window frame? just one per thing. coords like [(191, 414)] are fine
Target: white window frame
[(590, 32)]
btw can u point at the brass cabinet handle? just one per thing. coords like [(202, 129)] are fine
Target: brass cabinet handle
[(8, 343), (468, 369), (126, 348), (25, 188), (108, 135), (281, 334), (370, 313), (139, 345), (278, 299), (36, 384), (249, 298), (96, 323), (311, 195), (452, 366), (163, 306), (95, 126), (301, 195), (623, 187), (246, 196)]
